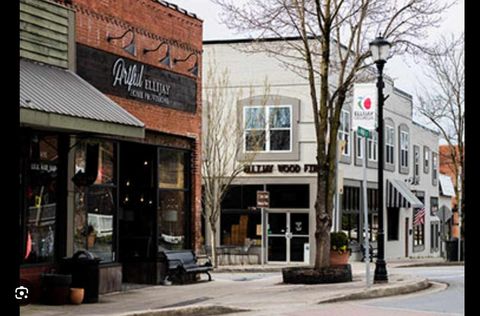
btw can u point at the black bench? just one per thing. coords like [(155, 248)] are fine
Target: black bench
[(180, 263), (373, 253)]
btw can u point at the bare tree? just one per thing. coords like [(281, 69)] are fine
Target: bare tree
[(223, 134), (443, 103), (326, 42)]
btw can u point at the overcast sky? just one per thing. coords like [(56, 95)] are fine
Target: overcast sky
[(405, 73)]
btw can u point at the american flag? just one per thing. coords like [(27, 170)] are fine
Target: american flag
[(419, 216)]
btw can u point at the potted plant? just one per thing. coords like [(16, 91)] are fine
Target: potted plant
[(339, 251)]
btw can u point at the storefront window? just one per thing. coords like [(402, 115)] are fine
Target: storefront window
[(173, 200), (95, 206), (239, 228), (419, 224), (41, 199)]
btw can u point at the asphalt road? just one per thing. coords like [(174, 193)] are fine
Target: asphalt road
[(436, 301), (449, 301)]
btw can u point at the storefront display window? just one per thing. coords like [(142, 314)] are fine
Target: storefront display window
[(41, 198), (419, 224), (173, 199), (95, 204), (240, 227)]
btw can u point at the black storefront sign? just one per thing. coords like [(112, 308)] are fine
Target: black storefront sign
[(127, 78)]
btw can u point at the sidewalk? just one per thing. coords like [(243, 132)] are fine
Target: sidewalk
[(259, 293)]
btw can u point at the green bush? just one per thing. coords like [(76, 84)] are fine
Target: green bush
[(339, 242)]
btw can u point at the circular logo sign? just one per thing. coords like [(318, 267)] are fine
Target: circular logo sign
[(367, 103)]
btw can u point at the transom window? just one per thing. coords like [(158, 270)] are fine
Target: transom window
[(389, 144), (404, 149), (344, 131), (268, 128)]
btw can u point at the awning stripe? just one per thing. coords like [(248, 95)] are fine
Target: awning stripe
[(399, 195)]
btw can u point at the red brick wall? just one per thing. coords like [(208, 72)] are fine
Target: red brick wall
[(152, 23)]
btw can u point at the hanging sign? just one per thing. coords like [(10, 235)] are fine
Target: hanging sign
[(263, 199), (364, 106)]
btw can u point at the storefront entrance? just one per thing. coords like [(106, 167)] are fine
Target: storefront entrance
[(287, 236)]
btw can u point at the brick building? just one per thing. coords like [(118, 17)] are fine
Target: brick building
[(447, 167), (119, 130)]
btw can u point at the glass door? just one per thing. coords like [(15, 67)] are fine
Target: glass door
[(277, 237), (298, 237), (287, 236)]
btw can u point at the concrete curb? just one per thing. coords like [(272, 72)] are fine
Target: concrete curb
[(193, 310), (381, 292), (433, 264)]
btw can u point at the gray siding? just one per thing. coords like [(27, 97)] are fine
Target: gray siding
[(46, 34)]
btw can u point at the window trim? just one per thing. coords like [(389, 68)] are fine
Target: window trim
[(434, 168), (373, 142), (267, 129), (403, 146), (342, 134), (426, 159), (388, 128)]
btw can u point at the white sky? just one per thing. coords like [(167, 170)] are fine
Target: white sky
[(405, 72)]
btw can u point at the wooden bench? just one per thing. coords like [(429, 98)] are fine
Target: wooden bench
[(180, 263)]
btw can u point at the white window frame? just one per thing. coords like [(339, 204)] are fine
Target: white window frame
[(426, 159), (345, 134), (389, 129), (373, 143), (404, 149), (359, 149), (416, 162), (267, 128), (434, 167)]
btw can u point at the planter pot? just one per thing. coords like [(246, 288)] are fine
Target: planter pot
[(76, 295), (91, 241), (337, 259)]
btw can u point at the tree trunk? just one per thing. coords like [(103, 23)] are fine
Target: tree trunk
[(213, 233), (323, 223)]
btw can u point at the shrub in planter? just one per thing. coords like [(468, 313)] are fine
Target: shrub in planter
[(339, 251)]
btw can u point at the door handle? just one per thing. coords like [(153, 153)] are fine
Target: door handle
[(288, 235)]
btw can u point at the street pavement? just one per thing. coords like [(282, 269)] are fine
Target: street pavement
[(261, 293)]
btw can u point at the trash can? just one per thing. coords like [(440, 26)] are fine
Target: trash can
[(84, 268), (452, 250), (55, 288)]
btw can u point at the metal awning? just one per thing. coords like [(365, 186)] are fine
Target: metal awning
[(59, 99), (399, 195)]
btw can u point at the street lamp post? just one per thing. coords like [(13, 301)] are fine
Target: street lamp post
[(380, 49)]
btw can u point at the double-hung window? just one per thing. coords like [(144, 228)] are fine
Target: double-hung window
[(426, 158), (434, 168), (344, 131), (416, 161), (373, 147), (268, 128), (389, 144), (403, 149)]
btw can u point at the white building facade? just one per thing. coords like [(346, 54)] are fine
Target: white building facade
[(285, 167)]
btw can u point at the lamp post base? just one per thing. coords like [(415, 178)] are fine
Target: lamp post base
[(380, 275)]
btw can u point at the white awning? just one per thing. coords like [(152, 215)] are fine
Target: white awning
[(399, 195), (446, 185)]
